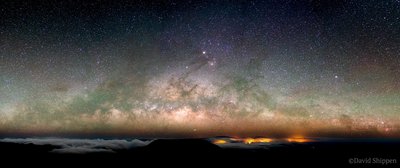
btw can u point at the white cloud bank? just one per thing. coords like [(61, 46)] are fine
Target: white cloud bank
[(80, 145)]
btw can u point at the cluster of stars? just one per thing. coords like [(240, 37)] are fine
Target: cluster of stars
[(200, 66)]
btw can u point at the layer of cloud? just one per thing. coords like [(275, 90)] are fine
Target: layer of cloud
[(78, 146)]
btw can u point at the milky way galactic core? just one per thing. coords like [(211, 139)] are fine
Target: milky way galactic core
[(200, 68)]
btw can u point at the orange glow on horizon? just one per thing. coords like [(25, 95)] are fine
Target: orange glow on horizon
[(294, 139), (253, 140), (219, 141), (298, 139)]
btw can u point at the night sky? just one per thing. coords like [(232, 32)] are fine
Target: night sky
[(200, 68)]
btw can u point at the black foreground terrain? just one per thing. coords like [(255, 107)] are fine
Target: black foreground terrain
[(200, 152)]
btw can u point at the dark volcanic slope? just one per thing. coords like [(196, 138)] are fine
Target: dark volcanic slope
[(203, 152), (16, 149)]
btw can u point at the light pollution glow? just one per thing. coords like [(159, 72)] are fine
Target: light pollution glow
[(249, 141)]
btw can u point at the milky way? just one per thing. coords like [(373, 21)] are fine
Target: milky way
[(200, 68)]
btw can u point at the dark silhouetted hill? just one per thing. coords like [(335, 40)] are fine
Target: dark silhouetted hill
[(201, 152)]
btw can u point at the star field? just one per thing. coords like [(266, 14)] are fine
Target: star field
[(200, 68)]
